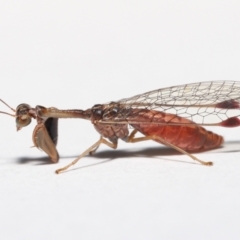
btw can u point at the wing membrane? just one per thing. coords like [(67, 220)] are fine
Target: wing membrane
[(205, 103)]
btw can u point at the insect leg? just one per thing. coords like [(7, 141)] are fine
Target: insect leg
[(109, 144), (182, 151), (89, 150), (133, 139), (159, 139), (132, 135), (94, 150), (43, 140)]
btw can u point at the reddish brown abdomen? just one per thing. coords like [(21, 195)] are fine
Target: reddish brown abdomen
[(186, 135)]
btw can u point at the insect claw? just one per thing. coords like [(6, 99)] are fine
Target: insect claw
[(208, 163), (58, 170)]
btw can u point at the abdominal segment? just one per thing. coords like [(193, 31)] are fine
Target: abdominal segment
[(186, 135)]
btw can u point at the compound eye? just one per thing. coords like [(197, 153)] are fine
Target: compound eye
[(22, 109)]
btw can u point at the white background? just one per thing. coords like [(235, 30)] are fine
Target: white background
[(74, 54)]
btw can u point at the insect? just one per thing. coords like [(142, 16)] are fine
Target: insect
[(172, 116)]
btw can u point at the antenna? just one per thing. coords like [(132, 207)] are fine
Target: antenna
[(13, 115)]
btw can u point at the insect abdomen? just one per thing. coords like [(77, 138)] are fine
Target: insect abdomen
[(186, 135)]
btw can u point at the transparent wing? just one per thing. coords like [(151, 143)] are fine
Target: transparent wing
[(205, 103)]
